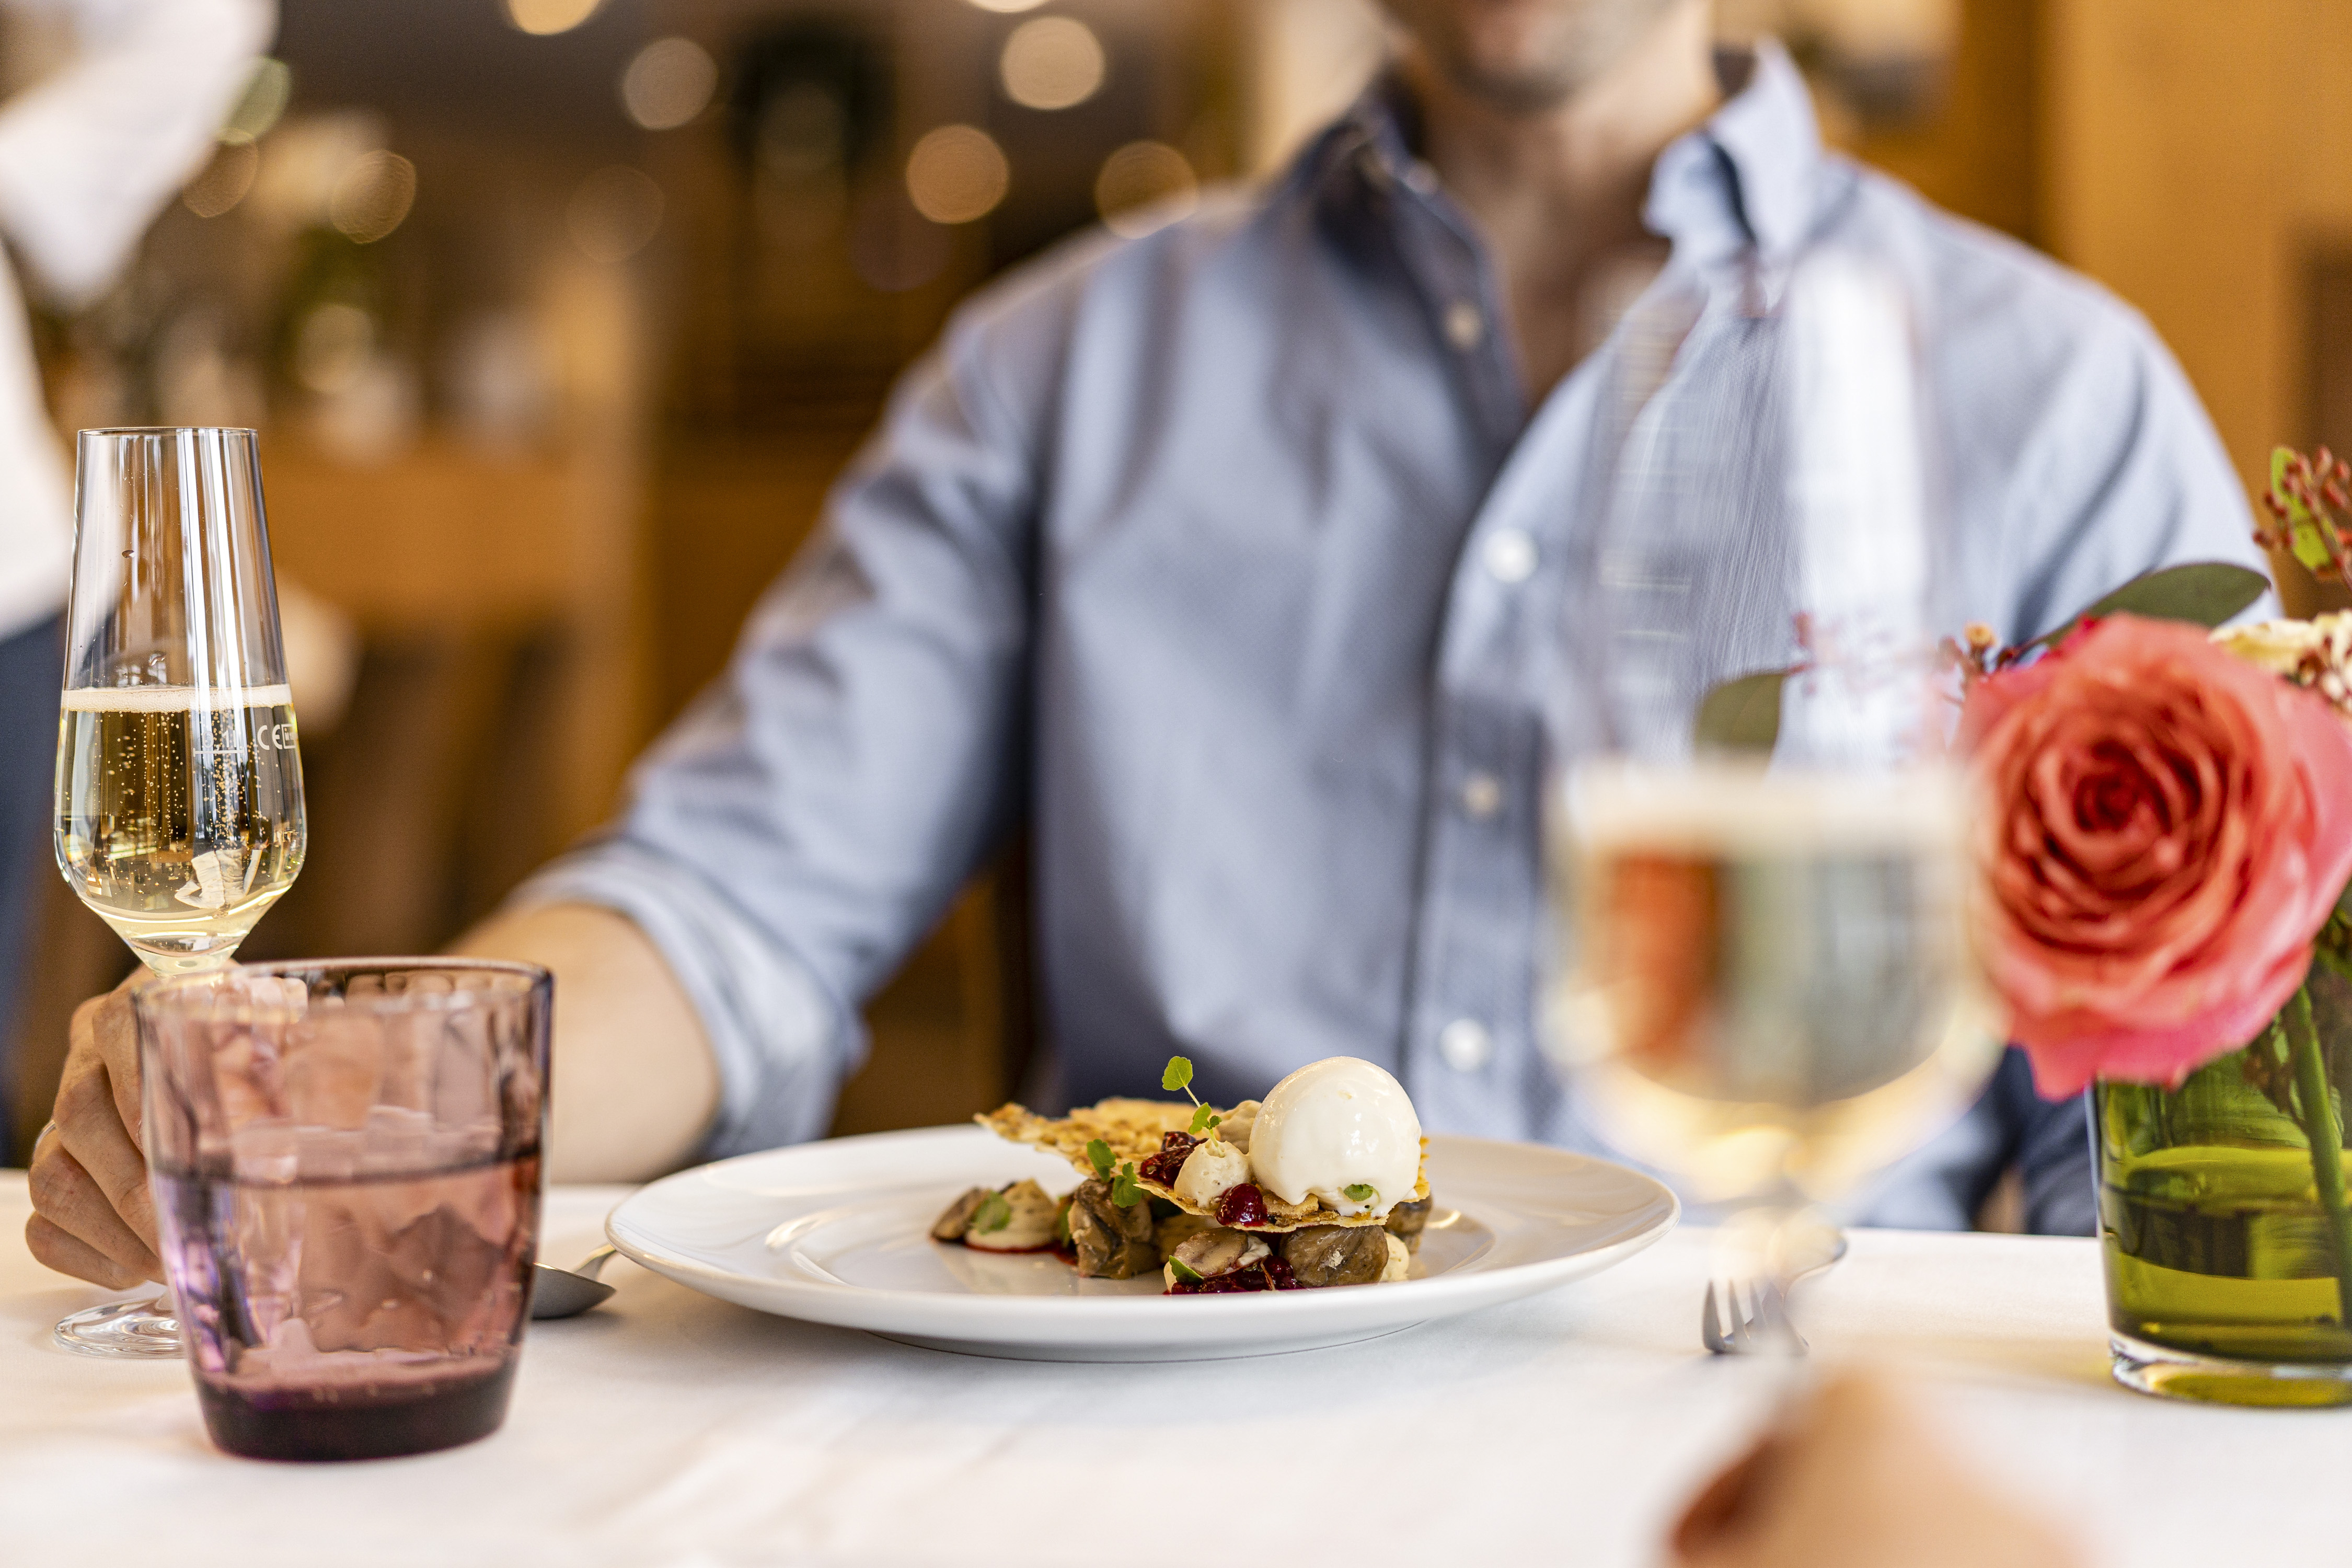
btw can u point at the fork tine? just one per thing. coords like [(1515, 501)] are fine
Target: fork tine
[(1743, 1319), (1709, 1332)]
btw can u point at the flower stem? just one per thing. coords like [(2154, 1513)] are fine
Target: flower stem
[(2327, 1140)]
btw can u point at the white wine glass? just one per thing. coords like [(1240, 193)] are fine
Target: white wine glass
[(179, 784), (1764, 985)]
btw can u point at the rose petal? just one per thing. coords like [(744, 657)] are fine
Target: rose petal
[(2168, 827)]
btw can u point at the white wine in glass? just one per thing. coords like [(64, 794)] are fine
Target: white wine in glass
[(179, 785), (1764, 981), (1774, 995)]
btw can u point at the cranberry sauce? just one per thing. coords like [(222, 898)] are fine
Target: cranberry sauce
[(1241, 1204), (1162, 1167), (1266, 1274)]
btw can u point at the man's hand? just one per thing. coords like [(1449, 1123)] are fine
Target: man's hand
[(1852, 1480), (91, 1215)]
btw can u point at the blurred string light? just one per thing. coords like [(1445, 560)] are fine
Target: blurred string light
[(957, 173), (223, 182), (1143, 186), (614, 214), (1054, 62), (548, 16), (372, 195), (669, 83), (258, 107)]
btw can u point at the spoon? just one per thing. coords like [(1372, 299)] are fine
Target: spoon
[(568, 1292)]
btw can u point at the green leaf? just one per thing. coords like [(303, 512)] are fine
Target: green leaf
[(1062, 1222), (1743, 714), (1098, 1156), (2202, 592), (1188, 1274), (1124, 1192), (992, 1215), (1179, 1073), (1359, 1192), (1203, 1118)]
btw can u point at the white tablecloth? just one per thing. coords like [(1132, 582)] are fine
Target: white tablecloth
[(665, 1430)]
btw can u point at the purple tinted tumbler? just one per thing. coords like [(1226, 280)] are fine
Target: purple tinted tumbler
[(346, 1166)]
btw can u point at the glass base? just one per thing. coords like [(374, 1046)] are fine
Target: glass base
[(123, 1331), (2218, 1380)]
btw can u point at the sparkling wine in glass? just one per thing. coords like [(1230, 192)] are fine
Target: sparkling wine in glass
[(1764, 983), (179, 784)]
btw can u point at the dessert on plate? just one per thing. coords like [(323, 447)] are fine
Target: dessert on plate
[(1320, 1183)]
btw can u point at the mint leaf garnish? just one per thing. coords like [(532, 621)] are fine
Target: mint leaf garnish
[(1124, 1192), (1189, 1276), (1361, 1192), (1179, 1073), (1098, 1156), (992, 1215)]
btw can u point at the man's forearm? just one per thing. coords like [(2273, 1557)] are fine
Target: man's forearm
[(636, 1084)]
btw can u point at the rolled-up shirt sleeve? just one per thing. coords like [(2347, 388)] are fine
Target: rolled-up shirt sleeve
[(812, 815)]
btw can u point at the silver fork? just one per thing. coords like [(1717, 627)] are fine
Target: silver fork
[(1762, 1324)]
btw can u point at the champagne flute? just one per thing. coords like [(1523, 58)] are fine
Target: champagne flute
[(179, 785), (1765, 986)]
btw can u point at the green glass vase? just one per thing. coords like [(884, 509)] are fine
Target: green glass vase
[(2222, 1217)]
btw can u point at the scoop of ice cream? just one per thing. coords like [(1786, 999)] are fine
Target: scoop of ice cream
[(1336, 1125)]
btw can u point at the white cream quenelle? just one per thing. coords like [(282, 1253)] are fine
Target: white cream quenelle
[(1342, 1130)]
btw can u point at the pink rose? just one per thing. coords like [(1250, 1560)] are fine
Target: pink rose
[(2166, 829)]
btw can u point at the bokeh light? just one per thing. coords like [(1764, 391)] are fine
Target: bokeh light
[(547, 17), (333, 347), (1054, 62), (669, 83), (222, 182), (258, 107), (1008, 7), (957, 173), (614, 214), (1145, 185), (372, 195)]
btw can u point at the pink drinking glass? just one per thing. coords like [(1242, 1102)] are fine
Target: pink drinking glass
[(345, 1159)]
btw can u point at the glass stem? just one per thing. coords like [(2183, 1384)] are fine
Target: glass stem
[(2326, 1136)]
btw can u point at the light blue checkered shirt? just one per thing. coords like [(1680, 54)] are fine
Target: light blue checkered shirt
[(1226, 558)]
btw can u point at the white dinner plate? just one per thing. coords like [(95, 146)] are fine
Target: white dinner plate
[(838, 1232)]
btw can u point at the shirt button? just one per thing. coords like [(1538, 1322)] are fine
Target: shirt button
[(1465, 1045), (1482, 796), (1509, 556), (1466, 325)]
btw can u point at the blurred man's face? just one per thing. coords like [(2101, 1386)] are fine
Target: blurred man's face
[(1526, 54)]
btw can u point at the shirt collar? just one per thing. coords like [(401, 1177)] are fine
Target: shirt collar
[(1750, 172), (1746, 177)]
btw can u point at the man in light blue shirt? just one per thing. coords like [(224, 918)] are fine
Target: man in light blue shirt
[(1226, 560)]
